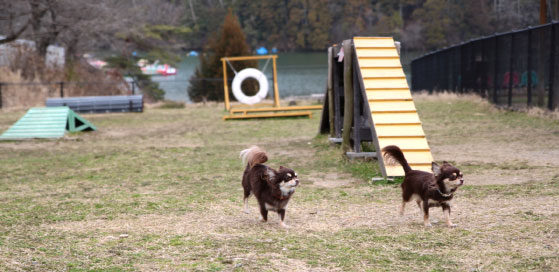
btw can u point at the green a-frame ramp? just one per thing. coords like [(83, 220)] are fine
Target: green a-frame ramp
[(50, 122)]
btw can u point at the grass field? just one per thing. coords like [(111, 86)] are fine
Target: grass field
[(160, 191)]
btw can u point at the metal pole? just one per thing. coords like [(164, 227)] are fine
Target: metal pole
[(0, 95), (61, 88), (529, 72), (510, 68), (551, 104), (496, 71), (460, 75)]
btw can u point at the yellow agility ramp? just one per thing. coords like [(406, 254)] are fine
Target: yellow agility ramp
[(393, 113)]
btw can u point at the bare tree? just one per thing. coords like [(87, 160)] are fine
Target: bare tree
[(15, 19)]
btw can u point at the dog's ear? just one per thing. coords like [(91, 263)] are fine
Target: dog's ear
[(436, 168), (281, 167)]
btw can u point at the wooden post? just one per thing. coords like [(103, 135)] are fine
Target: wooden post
[(276, 93), (348, 95), (338, 122), (225, 86), (330, 90), (357, 104)]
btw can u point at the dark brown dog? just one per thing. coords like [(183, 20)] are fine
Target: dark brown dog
[(272, 188), (428, 190)]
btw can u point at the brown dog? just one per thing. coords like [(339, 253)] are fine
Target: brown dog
[(428, 190), (272, 188)]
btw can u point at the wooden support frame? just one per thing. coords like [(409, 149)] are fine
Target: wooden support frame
[(367, 118), (261, 110), (269, 115), (337, 92), (292, 108), (348, 94), (373, 105), (242, 58)]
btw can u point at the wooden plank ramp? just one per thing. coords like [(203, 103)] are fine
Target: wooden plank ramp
[(393, 112)]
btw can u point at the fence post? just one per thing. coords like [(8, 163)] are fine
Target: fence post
[(551, 104), (0, 95), (510, 68), (61, 88), (529, 72), (460, 74), (496, 71)]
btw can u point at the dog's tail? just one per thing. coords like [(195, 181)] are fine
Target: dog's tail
[(392, 154), (253, 155)]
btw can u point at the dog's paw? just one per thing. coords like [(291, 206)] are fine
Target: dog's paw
[(428, 225), (452, 225), (285, 226), (247, 211)]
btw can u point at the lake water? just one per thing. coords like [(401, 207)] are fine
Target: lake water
[(299, 74)]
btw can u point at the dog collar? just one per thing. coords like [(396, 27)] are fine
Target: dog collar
[(443, 194)]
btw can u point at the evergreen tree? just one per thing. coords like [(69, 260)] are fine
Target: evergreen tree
[(206, 83), (436, 19)]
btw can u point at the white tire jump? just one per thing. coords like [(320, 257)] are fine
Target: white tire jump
[(262, 82)]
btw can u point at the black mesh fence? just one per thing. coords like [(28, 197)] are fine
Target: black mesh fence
[(516, 69)]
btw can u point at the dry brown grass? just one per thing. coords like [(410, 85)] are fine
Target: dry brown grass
[(160, 191), (28, 83)]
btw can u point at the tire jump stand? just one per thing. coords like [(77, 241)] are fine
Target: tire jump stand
[(250, 106)]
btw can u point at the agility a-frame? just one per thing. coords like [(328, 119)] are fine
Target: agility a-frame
[(369, 101), (50, 122)]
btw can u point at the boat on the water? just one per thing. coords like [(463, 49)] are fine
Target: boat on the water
[(156, 68)]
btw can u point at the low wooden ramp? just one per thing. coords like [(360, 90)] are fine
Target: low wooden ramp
[(49, 122), (393, 112)]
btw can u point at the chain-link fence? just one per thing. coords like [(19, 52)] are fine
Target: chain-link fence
[(516, 69)]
